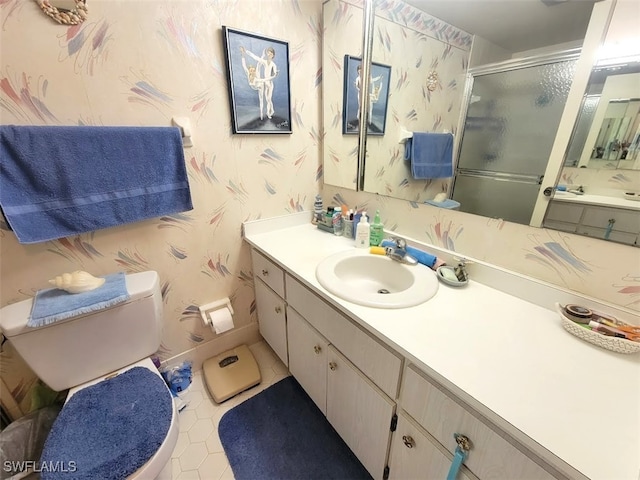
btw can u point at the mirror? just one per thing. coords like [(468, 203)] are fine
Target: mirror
[(598, 190), (607, 134), (500, 34)]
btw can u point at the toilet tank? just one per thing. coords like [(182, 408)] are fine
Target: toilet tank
[(70, 352)]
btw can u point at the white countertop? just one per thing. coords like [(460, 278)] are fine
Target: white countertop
[(508, 358), (599, 200)]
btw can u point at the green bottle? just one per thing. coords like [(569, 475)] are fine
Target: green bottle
[(377, 231)]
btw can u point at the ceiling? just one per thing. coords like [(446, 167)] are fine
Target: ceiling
[(515, 25)]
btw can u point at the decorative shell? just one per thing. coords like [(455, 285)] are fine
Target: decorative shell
[(77, 282)]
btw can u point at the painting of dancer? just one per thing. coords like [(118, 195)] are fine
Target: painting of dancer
[(379, 78), (258, 76)]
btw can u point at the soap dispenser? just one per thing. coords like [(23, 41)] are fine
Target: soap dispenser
[(377, 231), (363, 231)]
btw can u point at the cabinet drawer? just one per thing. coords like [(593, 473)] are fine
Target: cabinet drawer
[(271, 319), (492, 457), (415, 455), (375, 360), (564, 212), (625, 220), (268, 272)]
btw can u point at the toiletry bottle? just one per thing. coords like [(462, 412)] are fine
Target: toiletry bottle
[(377, 231), (363, 230), (337, 223), (317, 209), (347, 223)]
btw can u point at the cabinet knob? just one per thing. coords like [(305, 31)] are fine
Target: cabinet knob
[(333, 365), (278, 309), (408, 440), (463, 442), (317, 349), (265, 272)]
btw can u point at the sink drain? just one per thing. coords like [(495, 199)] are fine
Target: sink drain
[(383, 291)]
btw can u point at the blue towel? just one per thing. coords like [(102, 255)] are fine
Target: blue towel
[(53, 304), (430, 154), (61, 181), (110, 429)]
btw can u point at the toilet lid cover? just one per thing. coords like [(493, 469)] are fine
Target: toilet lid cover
[(110, 429)]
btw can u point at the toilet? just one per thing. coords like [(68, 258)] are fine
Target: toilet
[(119, 419)]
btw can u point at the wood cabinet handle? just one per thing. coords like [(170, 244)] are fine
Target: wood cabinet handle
[(333, 365), (278, 309), (408, 440), (317, 349), (265, 272)]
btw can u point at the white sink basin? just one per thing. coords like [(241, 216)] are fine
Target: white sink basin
[(375, 280)]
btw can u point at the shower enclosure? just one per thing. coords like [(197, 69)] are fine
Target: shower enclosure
[(513, 110)]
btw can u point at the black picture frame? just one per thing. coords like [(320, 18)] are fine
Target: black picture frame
[(258, 80), (378, 93)]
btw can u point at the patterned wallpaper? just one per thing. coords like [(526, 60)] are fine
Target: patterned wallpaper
[(141, 63), (429, 60), (150, 61)]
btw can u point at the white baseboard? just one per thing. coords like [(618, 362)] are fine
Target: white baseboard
[(242, 335)]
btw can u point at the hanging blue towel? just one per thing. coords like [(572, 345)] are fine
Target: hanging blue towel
[(61, 181), (53, 304), (430, 154)]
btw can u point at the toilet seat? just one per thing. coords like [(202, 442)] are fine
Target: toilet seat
[(123, 425)]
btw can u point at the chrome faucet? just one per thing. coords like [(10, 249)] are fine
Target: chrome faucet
[(398, 252)]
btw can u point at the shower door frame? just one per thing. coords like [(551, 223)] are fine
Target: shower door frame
[(501, 67)]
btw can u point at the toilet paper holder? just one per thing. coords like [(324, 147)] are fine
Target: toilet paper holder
[(213, 306)]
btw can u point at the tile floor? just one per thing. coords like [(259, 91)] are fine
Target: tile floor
[(198, 453)]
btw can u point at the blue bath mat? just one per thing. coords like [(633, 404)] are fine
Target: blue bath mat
[(281, 434)]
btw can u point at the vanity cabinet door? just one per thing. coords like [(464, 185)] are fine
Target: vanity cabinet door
[(492, 455), (308, 358), (360, 412), (271, 319), (372, 357), (415, 455)]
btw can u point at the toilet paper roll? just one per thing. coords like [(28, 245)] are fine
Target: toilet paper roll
[(221, 320)]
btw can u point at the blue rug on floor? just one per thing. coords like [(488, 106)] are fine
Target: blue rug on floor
[(281, 434)]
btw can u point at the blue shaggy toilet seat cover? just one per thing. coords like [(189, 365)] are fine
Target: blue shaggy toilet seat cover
[(110, 429)]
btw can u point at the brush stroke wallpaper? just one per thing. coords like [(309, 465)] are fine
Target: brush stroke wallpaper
[(141, 63)]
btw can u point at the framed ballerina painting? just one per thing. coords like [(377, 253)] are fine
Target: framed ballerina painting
[(258, 76), (379, 78)]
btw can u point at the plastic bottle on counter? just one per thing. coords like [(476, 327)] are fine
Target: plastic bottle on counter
[(363, 231)]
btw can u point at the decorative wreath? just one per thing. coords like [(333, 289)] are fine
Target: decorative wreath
[(66, 17), (432, 81)]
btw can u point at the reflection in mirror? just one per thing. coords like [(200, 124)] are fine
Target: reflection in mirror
[(599, 188), (508, 133), (430, 57), (606, 135), (342, 21)]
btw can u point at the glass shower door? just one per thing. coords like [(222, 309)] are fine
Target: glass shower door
[(512, 117)]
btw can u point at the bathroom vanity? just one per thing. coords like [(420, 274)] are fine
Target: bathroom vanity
[(490, 361), (598, 216)]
